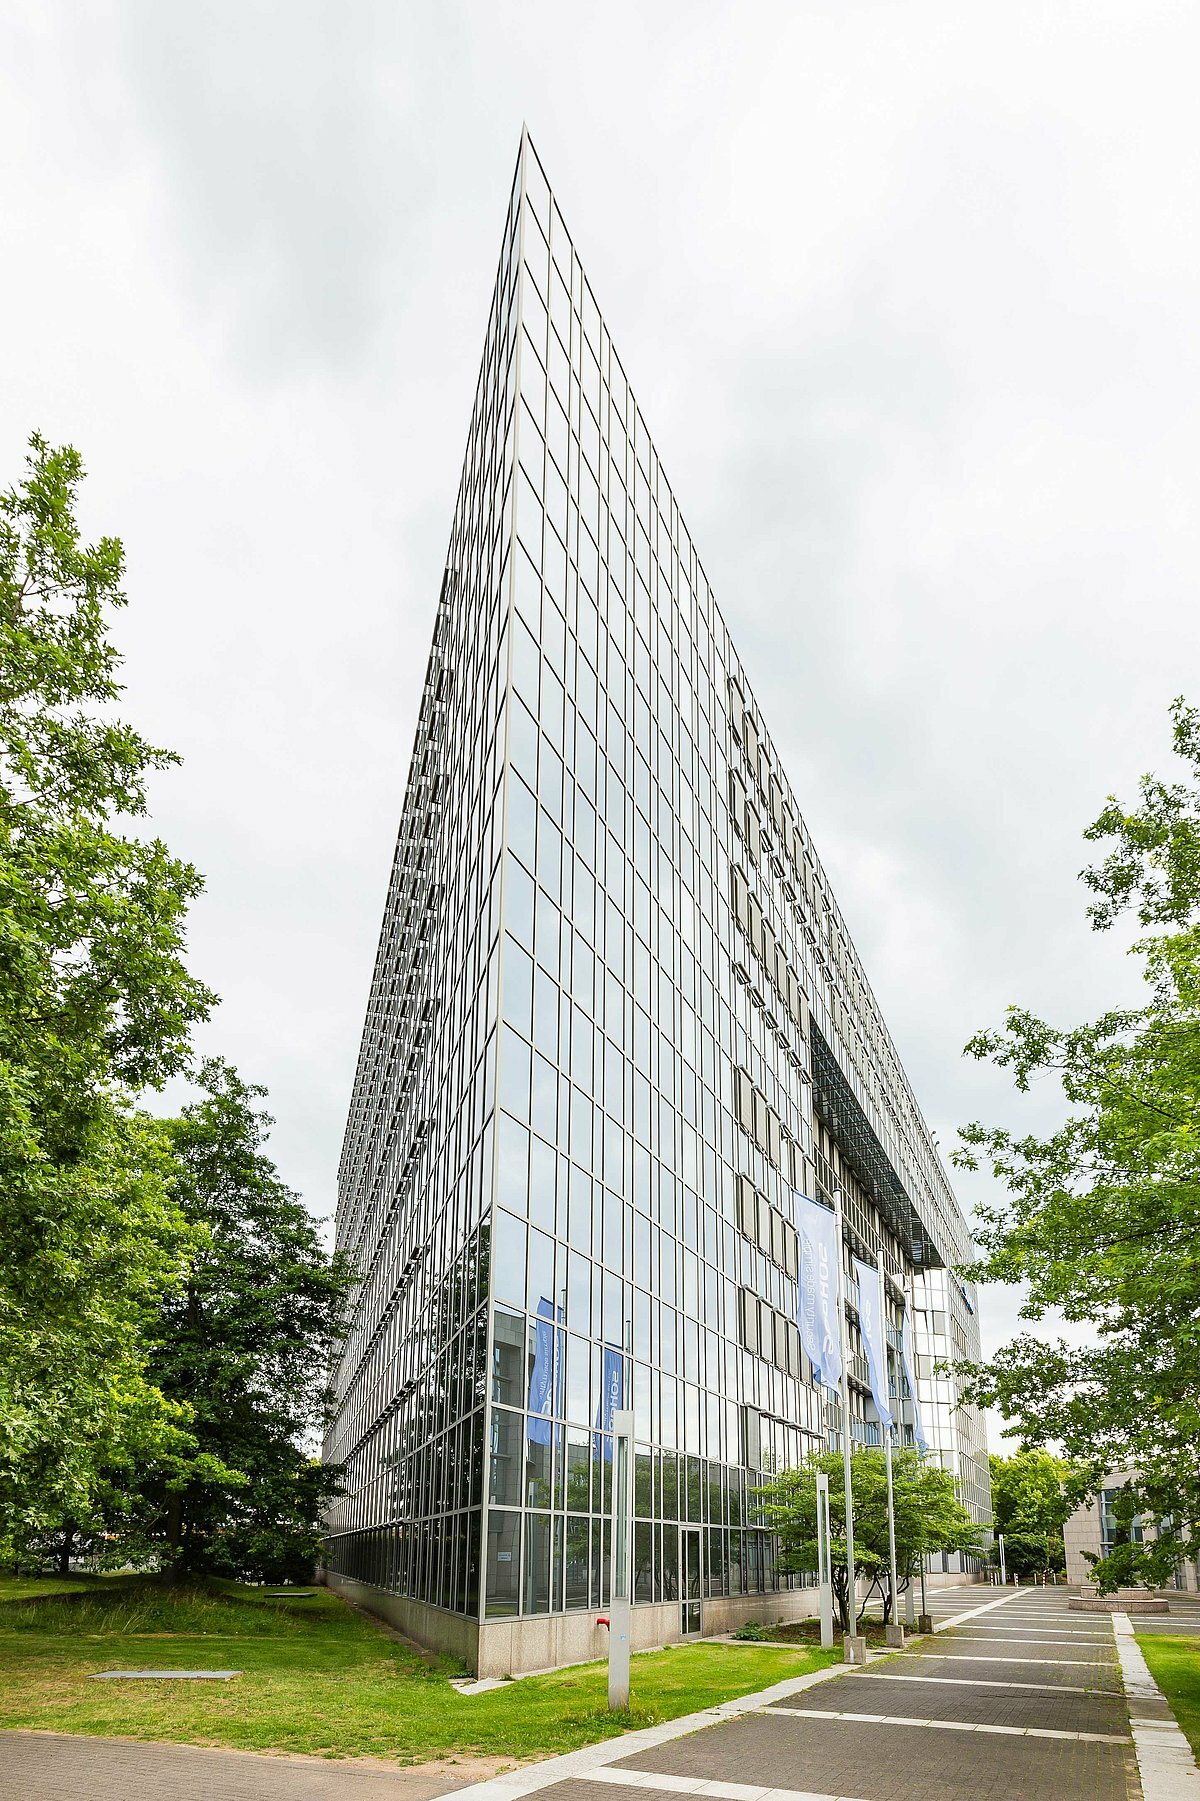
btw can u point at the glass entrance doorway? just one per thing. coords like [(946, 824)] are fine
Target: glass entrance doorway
[(689, 1579)]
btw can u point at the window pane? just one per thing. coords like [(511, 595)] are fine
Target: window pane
[(507, 1452), (508, 1258), (537, 1563), (503, 1562), (512, 1181), (513, 1085)]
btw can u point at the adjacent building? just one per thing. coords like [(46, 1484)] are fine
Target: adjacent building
[(616, 1023), (1096, 1528)]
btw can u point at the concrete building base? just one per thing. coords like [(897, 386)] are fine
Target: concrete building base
[(520, 1646), (433, 1627)]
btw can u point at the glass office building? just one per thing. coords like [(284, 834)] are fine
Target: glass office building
[(616, 1023)]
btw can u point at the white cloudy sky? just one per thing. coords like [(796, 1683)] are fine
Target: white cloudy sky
[(909, 294)]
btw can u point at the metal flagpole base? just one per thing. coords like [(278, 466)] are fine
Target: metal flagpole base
[(854, 1648), (618, 1653)]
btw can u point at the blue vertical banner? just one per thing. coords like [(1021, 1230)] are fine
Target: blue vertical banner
[(612, 1399), (910, 1373), (545, 1379), (820, 1277), (870, 1321)]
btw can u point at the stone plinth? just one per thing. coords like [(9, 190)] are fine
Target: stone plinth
[(1119, 1603)]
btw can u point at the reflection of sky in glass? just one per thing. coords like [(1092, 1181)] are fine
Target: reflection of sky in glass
[(586, 1093)]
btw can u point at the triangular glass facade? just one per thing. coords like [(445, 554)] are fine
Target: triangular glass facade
[(616, 1025)]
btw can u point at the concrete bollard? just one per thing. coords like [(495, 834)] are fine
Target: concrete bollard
[(854, 1648), (894, 1635), (925, 1622)]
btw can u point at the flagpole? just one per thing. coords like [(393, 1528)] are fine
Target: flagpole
[(851, 1578), (888, 1436)]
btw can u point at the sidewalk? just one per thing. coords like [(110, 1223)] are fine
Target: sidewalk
[(1014, 1698), (60, 1766)]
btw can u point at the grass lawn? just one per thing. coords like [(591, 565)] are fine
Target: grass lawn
[(808, 1632), (1175, 1666), (318, 1677)]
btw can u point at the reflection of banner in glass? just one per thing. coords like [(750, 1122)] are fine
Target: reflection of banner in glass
[(910, 1371), (612, 1398), (545, 1380), (820, 1268), (870, 1322)]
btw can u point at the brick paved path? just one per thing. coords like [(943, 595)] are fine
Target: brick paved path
[(1021, 1702)]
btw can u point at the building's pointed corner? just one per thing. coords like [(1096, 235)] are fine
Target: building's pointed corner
[(525, 152)]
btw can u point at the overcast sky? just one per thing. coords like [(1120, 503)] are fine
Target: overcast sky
[(909, 295)]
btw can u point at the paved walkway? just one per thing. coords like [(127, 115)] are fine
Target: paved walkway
[(59, 1766), (1014, 1698)]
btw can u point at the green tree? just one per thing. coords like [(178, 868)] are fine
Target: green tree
[(1032, 1494), (244, 1345), (929, 1517), (1139, 1555), (95, 1005), (1101, 1218)]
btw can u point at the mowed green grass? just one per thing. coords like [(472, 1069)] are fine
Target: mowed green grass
[(1175, 1665), (318, 1677)]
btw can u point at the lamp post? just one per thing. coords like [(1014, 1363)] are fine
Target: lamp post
[(824, 1563), (620, 1606)]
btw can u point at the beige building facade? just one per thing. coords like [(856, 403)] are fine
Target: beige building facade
[(1090, 1532)]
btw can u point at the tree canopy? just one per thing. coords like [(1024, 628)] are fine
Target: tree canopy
[(245, 1345), (95, 1004), (167, 1310), (1101, 1218), (1032, 1494), (929, 1517)]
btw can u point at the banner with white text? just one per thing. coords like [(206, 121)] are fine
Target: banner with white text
[(820, 1283), (870, 1322)]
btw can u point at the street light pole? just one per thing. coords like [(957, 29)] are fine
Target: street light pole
[(620, 1605), (824, 1563)]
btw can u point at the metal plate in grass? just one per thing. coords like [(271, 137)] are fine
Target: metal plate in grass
[(164, 1675), (289, 1594)]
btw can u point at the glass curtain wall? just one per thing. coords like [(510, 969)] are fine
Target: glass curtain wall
[(415, 1181), (631, 1027)]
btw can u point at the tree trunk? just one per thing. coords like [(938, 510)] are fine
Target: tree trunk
[(841, 1596), (66, 1547), (174, 1535)]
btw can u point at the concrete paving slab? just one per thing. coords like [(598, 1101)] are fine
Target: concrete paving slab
[(895, 1763), (600, 1788), (984, 1706), (1046, 1648), (1098, 1678), (1165, 1762), (163, 1675)]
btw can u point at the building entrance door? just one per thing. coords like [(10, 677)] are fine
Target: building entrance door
[(689, 1579)]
